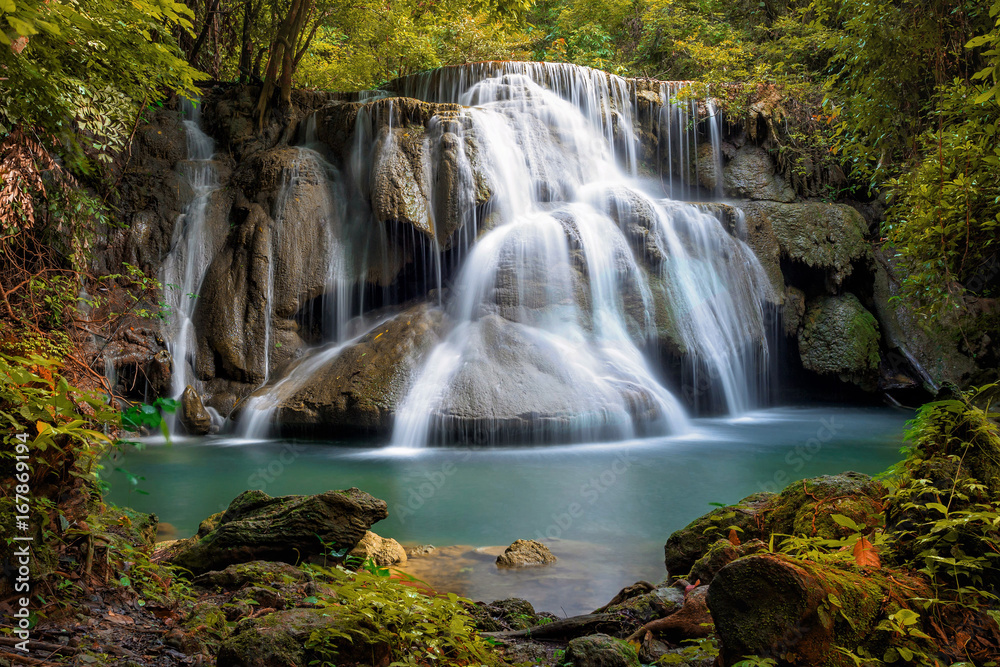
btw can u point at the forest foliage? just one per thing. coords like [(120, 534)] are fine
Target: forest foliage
[(902, 95)]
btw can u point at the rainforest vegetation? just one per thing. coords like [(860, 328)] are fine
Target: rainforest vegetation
[(894, 103), (902, 96)]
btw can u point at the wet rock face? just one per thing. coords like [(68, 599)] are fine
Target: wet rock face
[(827, 237), (430, 178), (751, 175), (257, 526), (399, 189), (937, 359), (525, 553), (518, 383), (193, 415), (841, 338), (361, 388)]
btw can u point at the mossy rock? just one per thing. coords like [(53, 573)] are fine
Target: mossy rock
[(257, 526), (841, 338), (806, 507), (827, 237), (278, 640), (254, 573), (208, 525), (685, 546), (500, 615), (655, 604), (721, 553), (600, 651), (802, 508), (43, 558), (798, 612), (137, 529), (263, 597)]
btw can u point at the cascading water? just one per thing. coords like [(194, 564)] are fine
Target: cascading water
[(561, 267), (562, 208), (189, 257)]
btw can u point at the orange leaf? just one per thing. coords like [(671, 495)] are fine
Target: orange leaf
[(865, 554), (734, 539), (41, 426)]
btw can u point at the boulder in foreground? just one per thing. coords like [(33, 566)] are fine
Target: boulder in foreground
[(289, 529)]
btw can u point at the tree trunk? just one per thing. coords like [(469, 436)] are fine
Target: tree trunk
[(209, 15), (246, 46), (280, 62)]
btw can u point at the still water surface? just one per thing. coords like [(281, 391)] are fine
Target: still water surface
[(604, 509)]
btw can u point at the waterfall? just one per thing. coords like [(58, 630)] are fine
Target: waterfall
[(551, 304), (185, 266), (554, 216)]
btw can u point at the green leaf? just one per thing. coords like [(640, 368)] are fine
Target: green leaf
[(21, 27), (846, 522)]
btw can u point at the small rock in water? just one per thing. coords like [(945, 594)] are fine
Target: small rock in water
[(383, 551), (422, 550), (194, 416), (525, 553)]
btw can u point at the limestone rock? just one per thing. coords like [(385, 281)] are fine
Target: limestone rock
[(600, 651), (420, 173), (384, 551), (400, 191), (827, 237), (751, 174), (525, 553), (515, 383), (794, 311), (361, 387), (194, 416), (840, 337), (257, 526), (936, 358)]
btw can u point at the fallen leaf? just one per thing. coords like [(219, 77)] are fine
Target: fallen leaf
[(119, 619), (865, 554), (18, 44)]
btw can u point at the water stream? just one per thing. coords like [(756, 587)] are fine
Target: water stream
[(185, 265)]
